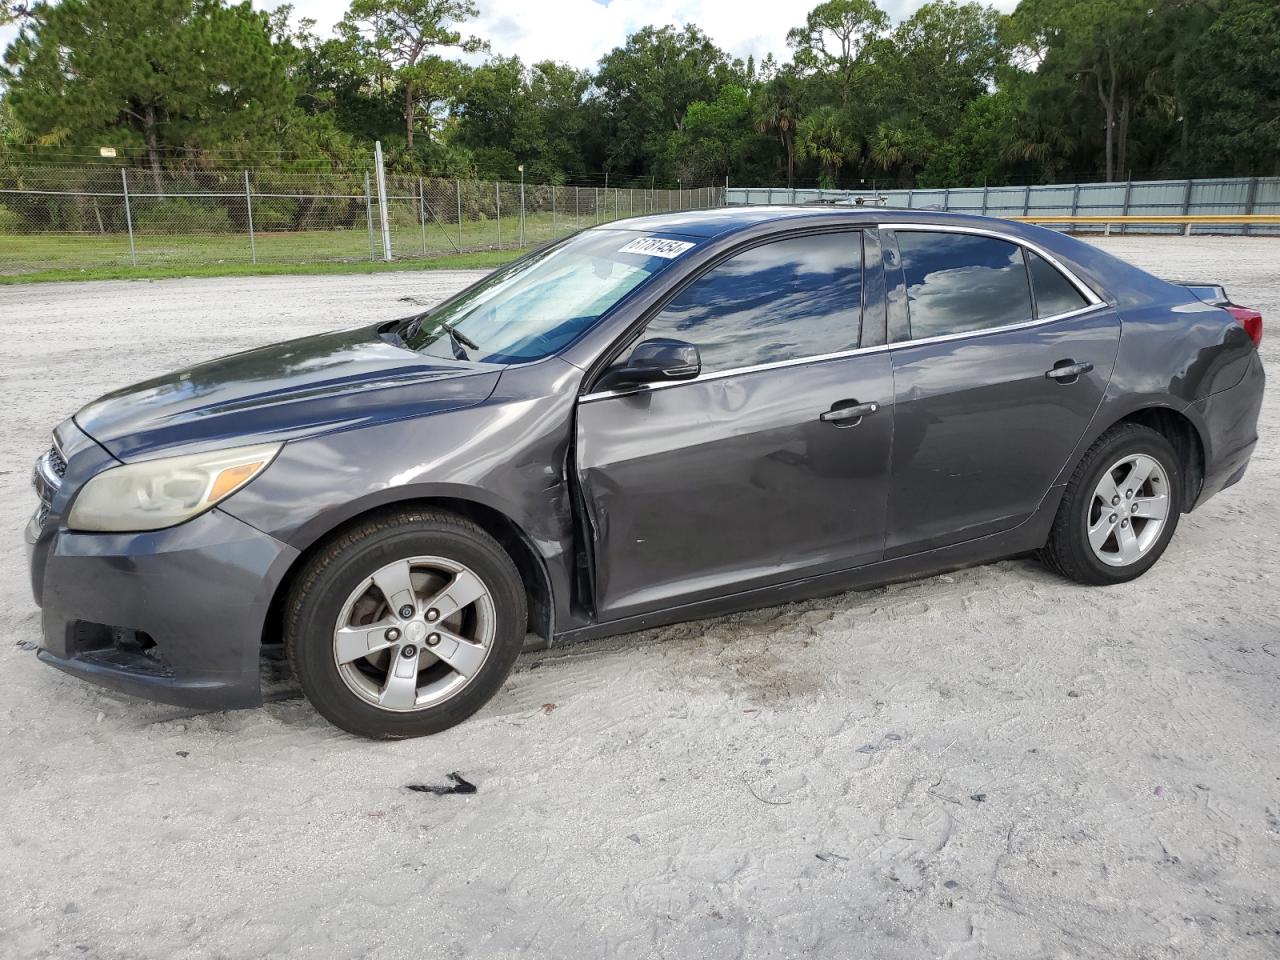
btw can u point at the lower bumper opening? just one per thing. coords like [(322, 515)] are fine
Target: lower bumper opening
[(120, 648)]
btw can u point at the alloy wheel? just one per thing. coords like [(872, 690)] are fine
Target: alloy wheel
[(414, 633), (1128, 511)]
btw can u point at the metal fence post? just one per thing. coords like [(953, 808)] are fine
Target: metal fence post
[(422, 215), (911, 195), (382, 201), (128, 216), (457, 185), (984, 198), (1075, 199), (577, 207), (1250, 202), (368, 209), (497, 193), (1124, 209), (1186, 207), (248, 205), (553, 208)]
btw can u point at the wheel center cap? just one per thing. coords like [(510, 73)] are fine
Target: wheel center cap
[(415, 631)]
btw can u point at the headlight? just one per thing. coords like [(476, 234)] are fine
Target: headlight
[(154, 494)]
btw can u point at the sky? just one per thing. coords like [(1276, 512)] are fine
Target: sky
[(579, 32)]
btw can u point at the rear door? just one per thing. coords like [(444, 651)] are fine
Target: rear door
[(735, 479), (1000, 360)]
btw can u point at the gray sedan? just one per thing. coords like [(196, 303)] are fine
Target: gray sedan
[(660, 419)]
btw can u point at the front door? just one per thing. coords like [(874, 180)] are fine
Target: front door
[(1003, 365), (748, 475)]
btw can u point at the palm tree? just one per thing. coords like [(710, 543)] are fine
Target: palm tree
[(821, 136), (778, 111), (899, 143), (1039, 141)]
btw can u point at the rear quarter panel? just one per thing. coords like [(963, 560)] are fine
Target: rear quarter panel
[(1175, 352)]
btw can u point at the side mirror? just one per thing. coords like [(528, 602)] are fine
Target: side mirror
[(660, 360)]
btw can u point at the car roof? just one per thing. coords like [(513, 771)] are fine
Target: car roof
[(719, 221), (1110, 277)]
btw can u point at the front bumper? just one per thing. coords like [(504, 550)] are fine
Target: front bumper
[(172, 615)]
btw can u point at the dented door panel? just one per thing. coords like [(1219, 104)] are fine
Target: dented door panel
[(733, 482)]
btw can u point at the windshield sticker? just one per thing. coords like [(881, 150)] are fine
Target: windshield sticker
[(657, 247)]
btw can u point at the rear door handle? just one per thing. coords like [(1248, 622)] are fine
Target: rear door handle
[(848, 416), (1068, 371)]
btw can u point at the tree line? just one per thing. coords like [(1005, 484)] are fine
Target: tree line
[(955, 94)]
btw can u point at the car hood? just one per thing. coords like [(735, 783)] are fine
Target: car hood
[(284, 391)]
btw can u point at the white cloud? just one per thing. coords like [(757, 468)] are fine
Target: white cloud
[(580, 32)]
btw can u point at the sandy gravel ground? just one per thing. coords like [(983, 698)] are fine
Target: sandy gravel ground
[(993, 763)]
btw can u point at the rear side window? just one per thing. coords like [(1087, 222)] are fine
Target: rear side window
[(958, 282), (783, 300), (1054, 292)]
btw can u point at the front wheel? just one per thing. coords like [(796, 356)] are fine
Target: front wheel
[(405, 624), (1120, 508)]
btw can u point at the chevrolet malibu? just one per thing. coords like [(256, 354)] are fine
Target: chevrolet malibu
[(661, 419)]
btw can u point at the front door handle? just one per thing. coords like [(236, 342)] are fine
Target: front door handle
[(1068, 371), (850, 415)]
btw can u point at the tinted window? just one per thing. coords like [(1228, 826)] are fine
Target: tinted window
[(957, 282), (1054, 292), (780, 301)]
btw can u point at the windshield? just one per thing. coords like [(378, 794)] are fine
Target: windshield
[(541, 304)]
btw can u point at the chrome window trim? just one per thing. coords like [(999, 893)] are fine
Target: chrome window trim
[(721, 374), (797, 361), (1087, 292), (943, 337)]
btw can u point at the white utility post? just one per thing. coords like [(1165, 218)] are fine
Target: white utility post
[(382, 201), (128, 215), (248, 206)]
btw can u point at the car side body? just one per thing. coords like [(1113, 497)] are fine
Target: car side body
[(638, 507)]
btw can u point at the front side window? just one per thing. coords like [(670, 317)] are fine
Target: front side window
[(542, 303), (783, 300), (1055, 294), (959, 282)]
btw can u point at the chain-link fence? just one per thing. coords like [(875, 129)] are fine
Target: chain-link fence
[(60, 217)]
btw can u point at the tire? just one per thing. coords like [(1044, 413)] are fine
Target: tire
[(337, 608), (1069, 550)]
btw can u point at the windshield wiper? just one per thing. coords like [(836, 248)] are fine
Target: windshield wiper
[(458, 340)]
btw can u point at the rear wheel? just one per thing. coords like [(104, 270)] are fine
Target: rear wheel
[(1120, 508), (405, 624)]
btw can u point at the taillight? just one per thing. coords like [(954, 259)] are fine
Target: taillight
[(1251, 320)]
